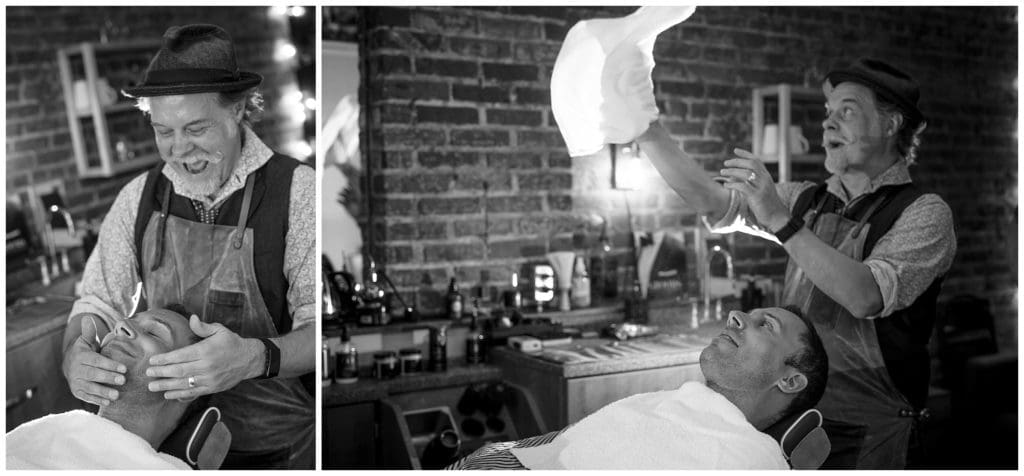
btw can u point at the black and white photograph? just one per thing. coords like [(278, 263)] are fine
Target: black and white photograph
[(668, 237), (161, 237)]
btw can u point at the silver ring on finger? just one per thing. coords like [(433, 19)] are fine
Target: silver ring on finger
[(191, 381), (752, 177)]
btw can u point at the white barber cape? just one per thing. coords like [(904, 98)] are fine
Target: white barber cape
[(692, 427), (81, 440), (601, 87)]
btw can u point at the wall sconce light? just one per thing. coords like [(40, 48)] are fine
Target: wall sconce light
[(626, 166)]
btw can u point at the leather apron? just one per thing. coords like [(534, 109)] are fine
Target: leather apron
[(861, 405), (209, 270)]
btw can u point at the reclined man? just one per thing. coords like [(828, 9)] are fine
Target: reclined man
[(763, 367), (126, 433)]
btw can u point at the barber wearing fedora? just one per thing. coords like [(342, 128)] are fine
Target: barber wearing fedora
[(867, 248), (224, 226)]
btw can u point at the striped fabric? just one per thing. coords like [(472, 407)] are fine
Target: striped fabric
[(498, 456)]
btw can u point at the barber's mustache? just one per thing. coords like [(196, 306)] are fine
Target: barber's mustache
[(214, 158)]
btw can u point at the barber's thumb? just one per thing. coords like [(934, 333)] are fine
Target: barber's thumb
[(201, 328), (89, 331)]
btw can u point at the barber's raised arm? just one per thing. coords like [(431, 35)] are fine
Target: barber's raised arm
[(686, 177)]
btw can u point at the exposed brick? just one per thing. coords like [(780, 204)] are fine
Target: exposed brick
[(518, 204), (560, 202), (513, 160), (413, 136), (417, 183), (480, 137), (449, 206), (390, 17), (546, 52), (480, 48), (447, 115), (527, 95), (447, 22), (681, 89), (494, 180), (539, 139), (508, 28), (391, 159), (545, 181), (446, 67), (392, 64), (518, 117), (520, 248), (406, 89), (462, 92), (432, 159), (453, 252), (510, 72)]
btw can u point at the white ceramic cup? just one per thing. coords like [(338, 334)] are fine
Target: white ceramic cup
[(770, 144)]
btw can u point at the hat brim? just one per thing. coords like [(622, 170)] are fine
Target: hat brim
[(246, 80)]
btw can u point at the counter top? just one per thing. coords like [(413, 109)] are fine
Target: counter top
[(29, 321), (686, 346), (369, 388)]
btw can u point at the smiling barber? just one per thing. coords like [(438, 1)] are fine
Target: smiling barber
[(224, 226), (867, 248)]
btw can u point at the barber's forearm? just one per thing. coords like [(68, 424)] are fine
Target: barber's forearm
[(686, 177), (845, 280), (297, 355)]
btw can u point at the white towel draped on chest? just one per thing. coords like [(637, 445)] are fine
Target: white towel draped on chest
[(692, 427), (601, 88), (82, 440)]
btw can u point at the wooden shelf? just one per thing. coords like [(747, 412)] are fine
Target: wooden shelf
[(786, 94)]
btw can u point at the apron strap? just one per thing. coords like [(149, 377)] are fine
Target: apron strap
[(243, 215), (871, 211), (817, 212), (161, 225)]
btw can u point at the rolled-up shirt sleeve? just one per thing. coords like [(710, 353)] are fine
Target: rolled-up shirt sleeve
[(918, 248), (111, 272), (300, 259)]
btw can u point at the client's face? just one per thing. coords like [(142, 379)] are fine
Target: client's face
[(751, 351), (133, 341)]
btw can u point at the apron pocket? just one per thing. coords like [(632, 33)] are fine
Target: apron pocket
[(225, 307)]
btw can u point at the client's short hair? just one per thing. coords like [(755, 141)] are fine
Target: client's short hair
[(812, 361)]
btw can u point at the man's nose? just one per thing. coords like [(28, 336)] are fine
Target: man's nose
[(125, 329), (736, 319), (180, 145), (829, 124)]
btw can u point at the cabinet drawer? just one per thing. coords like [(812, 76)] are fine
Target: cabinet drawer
[(588, 394), (35, 385)]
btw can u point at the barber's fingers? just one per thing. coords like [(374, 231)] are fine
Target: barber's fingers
[(189, 353), (188, 394), (743, 187), (203, 329), (742, 175), (99, 361), (98, 375), (95, 393), (165, 384), (173, 370)]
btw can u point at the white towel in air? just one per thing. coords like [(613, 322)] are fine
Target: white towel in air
[(601, 87), (81, 440), (692, 427)]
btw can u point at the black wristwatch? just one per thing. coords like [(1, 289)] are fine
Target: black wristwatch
[(789, 229), (271, 359)]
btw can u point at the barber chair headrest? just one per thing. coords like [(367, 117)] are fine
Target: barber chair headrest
[(803, 441), (201, 440)]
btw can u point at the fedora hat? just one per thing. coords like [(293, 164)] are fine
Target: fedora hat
[(194, 59), (886, 81)]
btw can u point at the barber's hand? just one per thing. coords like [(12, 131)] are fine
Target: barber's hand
[(88, 372), (747, 175), (217, 363)]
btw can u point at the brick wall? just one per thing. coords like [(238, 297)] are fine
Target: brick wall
[(471, 174), (38, 139)]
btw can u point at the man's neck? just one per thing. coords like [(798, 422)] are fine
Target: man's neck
[(857, 181), (147, 423), (760, 408)]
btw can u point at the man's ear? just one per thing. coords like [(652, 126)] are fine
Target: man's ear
[(895, 122), (792, 382)]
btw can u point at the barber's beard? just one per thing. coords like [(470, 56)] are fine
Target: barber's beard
[(207, 182)]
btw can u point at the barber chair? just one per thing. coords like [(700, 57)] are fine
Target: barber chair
[(802, 439), (201, 440)]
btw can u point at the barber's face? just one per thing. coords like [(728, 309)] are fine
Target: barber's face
[(750, 352), (853, 127), (133, 341), (198, 137)]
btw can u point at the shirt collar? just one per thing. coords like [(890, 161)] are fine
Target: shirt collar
[(897, 174), (254, 154)]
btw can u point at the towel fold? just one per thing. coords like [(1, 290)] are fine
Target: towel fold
[(692, 427), (601, 87), (81, 440)]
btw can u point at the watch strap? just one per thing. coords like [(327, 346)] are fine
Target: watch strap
[(272, 359), (789, 229)]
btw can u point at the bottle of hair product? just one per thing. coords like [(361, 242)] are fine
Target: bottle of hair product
[(438, 349), (454, 301), (580, 285), (326, 378), (474, 339)]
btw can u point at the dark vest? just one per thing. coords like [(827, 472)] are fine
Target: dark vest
[(268, 218), (903, 335)]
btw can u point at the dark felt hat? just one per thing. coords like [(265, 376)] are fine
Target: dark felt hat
[(194, 59), (886, 81)]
